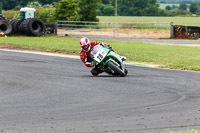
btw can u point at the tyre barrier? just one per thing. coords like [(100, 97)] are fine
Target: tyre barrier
[(2, 17), (30, 26), (11, 22), (33, 27), (16, 24), (5, 27)]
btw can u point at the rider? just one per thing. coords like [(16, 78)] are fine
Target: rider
[(86, 47)]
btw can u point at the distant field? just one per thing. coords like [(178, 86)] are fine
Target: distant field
[(162, 6), (188, 21)]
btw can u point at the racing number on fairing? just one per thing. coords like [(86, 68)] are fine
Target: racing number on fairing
[(100, 57)]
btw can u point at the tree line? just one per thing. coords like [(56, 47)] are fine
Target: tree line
[(102, 7), (193, 8), (11, 4), (130, 8), (177, 1), (87, 10)]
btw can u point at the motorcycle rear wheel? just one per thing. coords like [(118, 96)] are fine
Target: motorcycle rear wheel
[(116, 69)]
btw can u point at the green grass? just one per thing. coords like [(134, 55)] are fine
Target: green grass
[(189, 131), (44, 44), (165, 56), (188, 21)]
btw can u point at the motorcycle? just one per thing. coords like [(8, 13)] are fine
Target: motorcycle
[(109, 61)]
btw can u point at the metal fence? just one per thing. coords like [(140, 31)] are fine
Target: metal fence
[(106, 30)]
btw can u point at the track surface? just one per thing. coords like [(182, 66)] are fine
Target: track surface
[(47, 94)]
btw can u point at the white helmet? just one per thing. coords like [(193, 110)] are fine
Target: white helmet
[(85, 44)]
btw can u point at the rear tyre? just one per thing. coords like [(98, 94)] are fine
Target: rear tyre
[(116, 69)]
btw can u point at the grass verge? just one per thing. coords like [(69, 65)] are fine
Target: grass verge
[(164, 56), (189, 131)]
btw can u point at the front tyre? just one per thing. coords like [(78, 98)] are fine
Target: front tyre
[(116, 69)]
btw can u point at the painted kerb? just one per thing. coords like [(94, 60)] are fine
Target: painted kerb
[(114, 30)]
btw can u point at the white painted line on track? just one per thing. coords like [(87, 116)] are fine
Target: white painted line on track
[(42, 53)]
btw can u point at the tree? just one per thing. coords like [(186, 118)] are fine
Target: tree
[(107, 1), (181, 12), (88, 9), (67, 10), (48, 6), (138, 8), (194, 7), (174, 7), (11, 4), (106, 10), (34, 4), (162, 12), (47, 14), (182, 6), (168, 7), (44, 2)]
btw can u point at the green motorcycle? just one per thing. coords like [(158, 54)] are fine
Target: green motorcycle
[(109, 61)]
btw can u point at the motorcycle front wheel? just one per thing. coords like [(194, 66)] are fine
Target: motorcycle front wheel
[(116, 69)]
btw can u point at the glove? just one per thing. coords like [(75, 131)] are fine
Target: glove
[(92, 64), (107, 46)]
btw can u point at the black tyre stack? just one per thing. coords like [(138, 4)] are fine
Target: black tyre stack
[(5, 26), (2, 17), (30, 26), (16, 25), (33, 27)]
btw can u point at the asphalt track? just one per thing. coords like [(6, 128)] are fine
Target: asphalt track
[(48, 94)]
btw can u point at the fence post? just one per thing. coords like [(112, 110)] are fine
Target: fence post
[(56, 27), (171, 30)]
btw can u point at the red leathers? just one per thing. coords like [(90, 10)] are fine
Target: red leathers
[(86, 56)]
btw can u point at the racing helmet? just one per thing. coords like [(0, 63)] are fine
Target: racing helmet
[(85, 44)]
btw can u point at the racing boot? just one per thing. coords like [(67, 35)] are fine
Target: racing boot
[(95, 71), (126, 71)]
